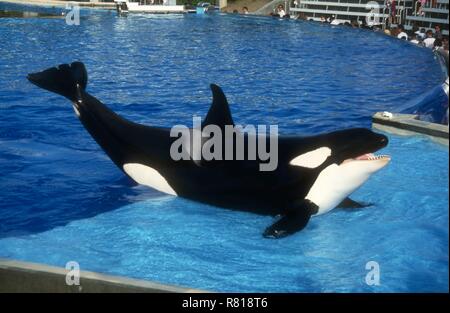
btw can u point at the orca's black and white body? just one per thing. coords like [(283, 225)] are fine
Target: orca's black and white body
[(314, 174)]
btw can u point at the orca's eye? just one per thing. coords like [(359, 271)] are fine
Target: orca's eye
[(312, 159)]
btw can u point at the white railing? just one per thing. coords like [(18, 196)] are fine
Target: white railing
[(428, 12), (435, 11), (401, 8)]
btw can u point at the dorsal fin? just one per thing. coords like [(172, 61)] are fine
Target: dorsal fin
[(219, 113)]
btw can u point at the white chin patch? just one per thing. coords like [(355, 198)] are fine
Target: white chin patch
[(148, 176), (312, 159)]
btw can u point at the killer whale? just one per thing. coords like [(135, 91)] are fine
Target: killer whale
[(314, 174)]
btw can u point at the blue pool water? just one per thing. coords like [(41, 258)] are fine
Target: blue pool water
[(62, 199)]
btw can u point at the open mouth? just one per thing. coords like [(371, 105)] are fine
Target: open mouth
[(372, 157), (369, 157)]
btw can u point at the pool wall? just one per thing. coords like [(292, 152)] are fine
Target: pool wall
[(18, 276), (408, 124)]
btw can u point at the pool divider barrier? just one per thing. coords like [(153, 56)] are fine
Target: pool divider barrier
[(408, 124), (27, 277)]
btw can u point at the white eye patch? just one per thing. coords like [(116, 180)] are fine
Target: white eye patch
[(312, 159)]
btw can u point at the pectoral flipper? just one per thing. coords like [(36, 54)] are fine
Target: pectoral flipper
[(296, 218)]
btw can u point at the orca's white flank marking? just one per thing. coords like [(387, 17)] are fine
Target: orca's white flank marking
[(148, 176), (312, 159), (336, 182)]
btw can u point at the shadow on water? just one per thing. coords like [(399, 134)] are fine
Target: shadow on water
[(34, 216)]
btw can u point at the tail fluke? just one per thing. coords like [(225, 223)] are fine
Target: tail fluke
[(66, 80)]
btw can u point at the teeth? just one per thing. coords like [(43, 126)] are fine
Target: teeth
[(377, 157), (371, 157)]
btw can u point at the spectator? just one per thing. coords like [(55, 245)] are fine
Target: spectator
[(437, 45), (401, 33), (392, 11), (334, 20), (279, 11), (420, 7), (437, 32), (445, 43), (364, 24), (301, 16), (414, 39), (429, 40), (421, 34), (395, 31)]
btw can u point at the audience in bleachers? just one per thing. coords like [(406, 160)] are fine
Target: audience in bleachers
[(419, 36)]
